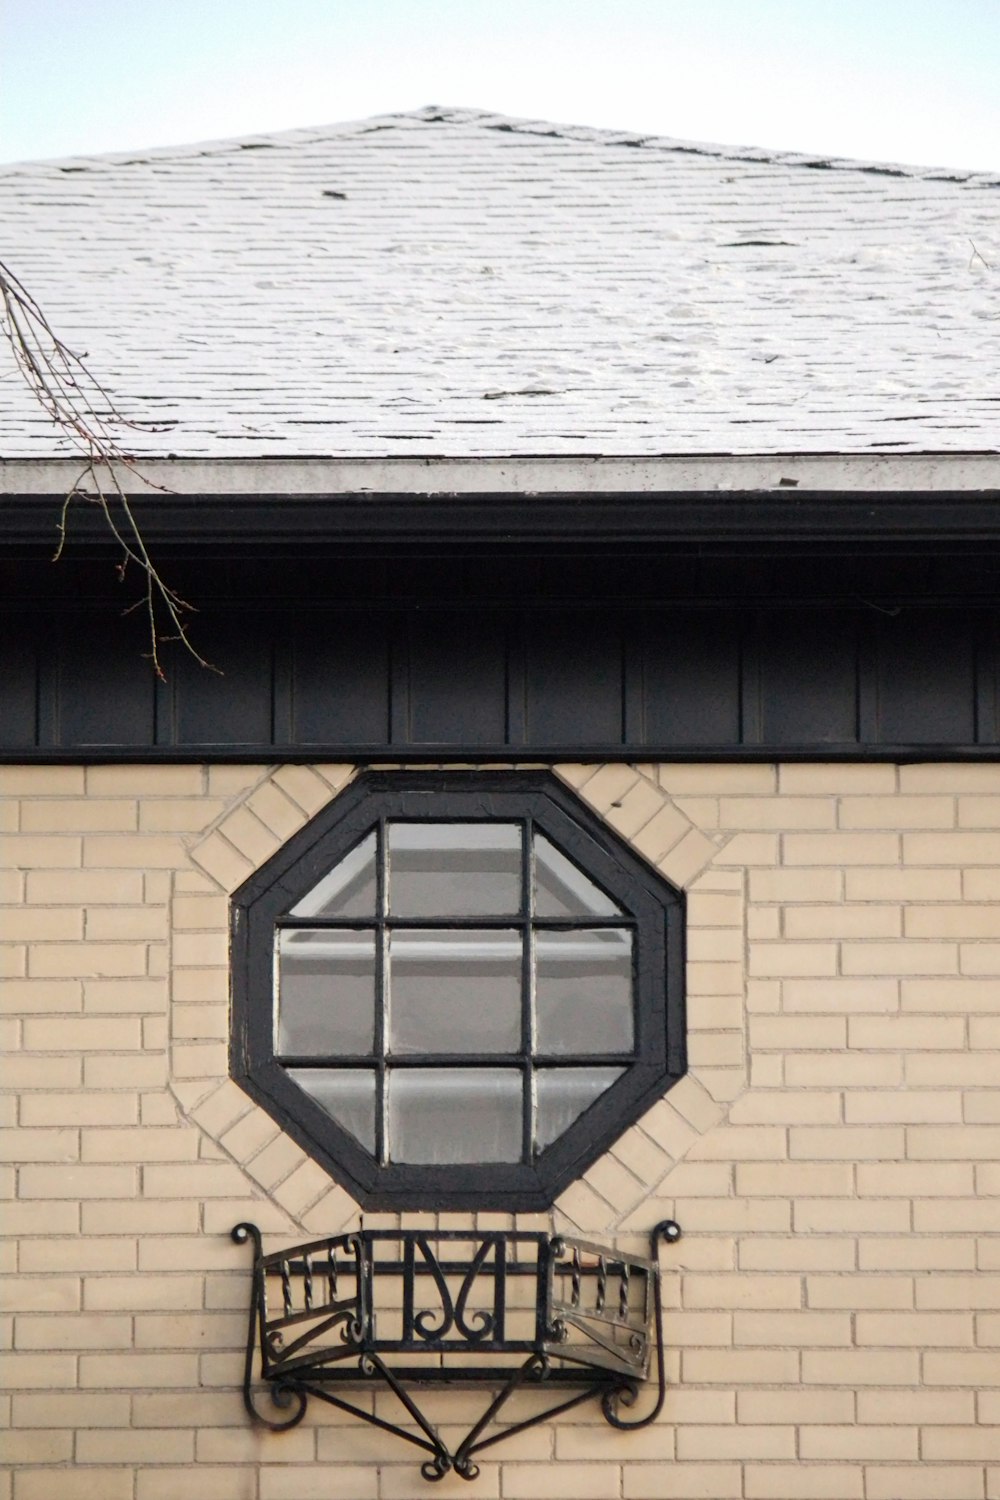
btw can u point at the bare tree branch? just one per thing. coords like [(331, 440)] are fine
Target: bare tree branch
[(82, 409)]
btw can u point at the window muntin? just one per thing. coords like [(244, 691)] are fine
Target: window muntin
[(570, 944), (488, 965)]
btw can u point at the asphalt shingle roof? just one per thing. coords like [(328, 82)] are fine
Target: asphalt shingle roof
[(449, 282)]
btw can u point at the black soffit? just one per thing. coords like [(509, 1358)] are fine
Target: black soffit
[(343, 522)]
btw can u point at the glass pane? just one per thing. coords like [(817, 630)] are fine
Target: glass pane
[(438, 1116), (348, 890), (583, 990), (347, 1095), (454, 991), (454, 869), (562, 889), (562, 1095), (326, 993)]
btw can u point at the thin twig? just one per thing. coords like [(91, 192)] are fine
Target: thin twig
[(977, 256), (84, 412)]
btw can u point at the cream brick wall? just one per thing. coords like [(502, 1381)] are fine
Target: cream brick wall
[(834, 1308)]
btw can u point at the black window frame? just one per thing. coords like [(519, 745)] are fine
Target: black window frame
[(655, 912)]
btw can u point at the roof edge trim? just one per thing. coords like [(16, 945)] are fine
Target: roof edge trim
[(973, 472)]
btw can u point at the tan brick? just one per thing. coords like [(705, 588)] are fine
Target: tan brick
[(124, 996), (959, 1292), (984, 1031), (590, 1481), (946, 1143), (100, 814), (131, 1371), (842, 921), (804, 1481), (901, 1179), (794, 960), (33, 924), (715, 780), (661, 833), (979, 812), (965, 847), (966, 921), (743, 1442), (40, 1293), (762, 1408), (687, 859), (682, 1481), (857, 1143), (26, 1145), (201, 949), (847, 1216), (208, 1330), (783, 1107), (138, 851), (791, 1254), (911, 1107), (78, 1255), (858, 1442), (735, 1215), (101, 1071), (897, 812), (194, 1180), (907, 1407), (853, 995), (848, 1070), (213, 1484), (136, 922), (319, 1482), (145, 781), (740, 1291), (954, 1215), (898, 958), (145, 1446), (980, 958), (903, 885), (39, 1218), (787, 1033), (805, 1329), (71, 1409), (923, 1482), (305, 787), (222, 861), (199, 913), (981, 885), (959, 1069), (79, 887), (142, 1293), (914, 1329), (81, 1331), (860, 1367), (79, 960), (249, 835), (41, 996), (742, 1367), (840, 849), (70, 1180), (118, 1217), (962, 1443), (854, 1292), (788, 886), (179, 814), (29, 1372), (83, 1484), (83, 1034), (914, 1254)]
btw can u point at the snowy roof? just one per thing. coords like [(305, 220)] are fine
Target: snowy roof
[(450, 282)]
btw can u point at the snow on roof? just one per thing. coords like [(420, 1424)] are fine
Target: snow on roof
[(451, 282)]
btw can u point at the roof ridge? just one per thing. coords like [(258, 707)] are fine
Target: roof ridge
[(434, 114)]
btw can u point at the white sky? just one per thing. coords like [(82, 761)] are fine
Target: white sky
[(893, 80)]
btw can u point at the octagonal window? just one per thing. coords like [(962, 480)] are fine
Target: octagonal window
[(455, 990)]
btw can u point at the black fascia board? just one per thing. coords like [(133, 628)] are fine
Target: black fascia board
[(282, 525)]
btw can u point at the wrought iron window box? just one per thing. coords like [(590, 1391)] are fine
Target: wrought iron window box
[(410, 1309)]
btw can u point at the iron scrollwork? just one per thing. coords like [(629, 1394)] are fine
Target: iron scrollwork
[(391, 1306)]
